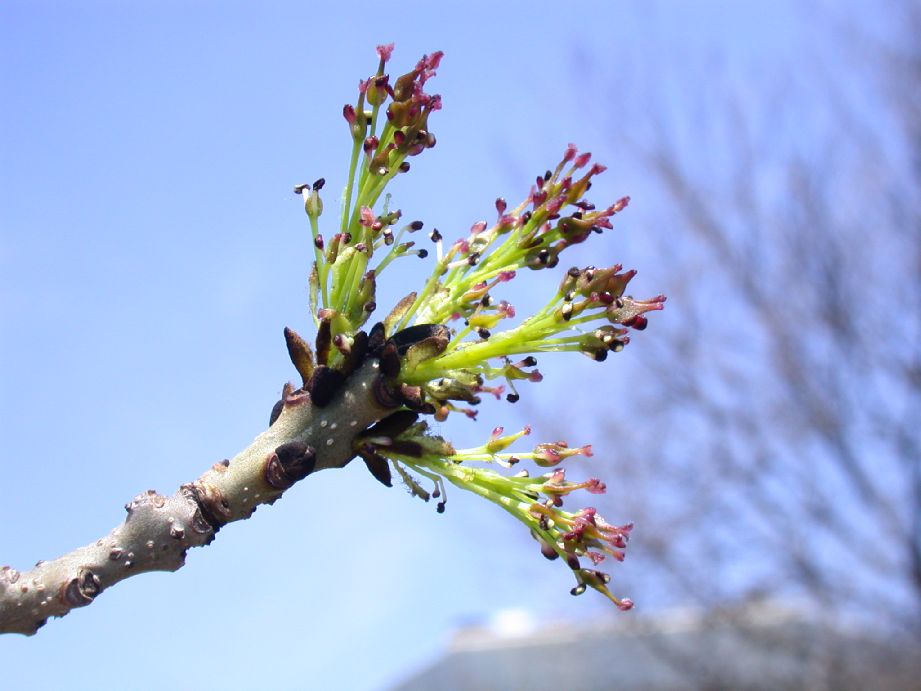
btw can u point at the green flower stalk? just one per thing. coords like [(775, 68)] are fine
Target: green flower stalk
[(444, 346)]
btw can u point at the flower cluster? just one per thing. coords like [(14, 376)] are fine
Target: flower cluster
[(551, 218), (406, 445), (388, 125), (441, 348)]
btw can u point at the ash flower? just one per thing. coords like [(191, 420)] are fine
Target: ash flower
[(537, 502), (441, 348), (388, 124), (532, 235), (385, 51)]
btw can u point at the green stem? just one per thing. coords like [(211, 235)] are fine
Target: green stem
[(322, 268), (353, 163), (423, 296)]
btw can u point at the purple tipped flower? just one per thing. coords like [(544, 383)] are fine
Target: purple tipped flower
[(385, 51)]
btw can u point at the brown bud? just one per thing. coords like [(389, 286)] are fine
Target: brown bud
[(377, 465), (393, 425), (376, 339), (435, 338), (413, 399), (431, 345), (390, 360), (291, 462), (356, 354), (396, 314), (407, 447), (276, 411), (300, 353), (324, 340), (324, 384)]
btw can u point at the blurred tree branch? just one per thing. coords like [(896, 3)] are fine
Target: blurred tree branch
[(789, 379)]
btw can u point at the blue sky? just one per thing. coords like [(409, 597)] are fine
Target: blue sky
[(151, 252)]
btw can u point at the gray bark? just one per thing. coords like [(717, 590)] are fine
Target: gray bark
[(159, 530)]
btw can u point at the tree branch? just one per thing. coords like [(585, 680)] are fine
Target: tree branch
[(159, 530)]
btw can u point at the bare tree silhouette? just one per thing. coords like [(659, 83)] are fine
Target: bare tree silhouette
[(776, 449)]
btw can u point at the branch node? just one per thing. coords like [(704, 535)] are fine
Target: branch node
[(82, 590), (212, 512), (290, 462), (384, 394)]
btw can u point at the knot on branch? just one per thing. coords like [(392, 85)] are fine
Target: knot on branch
[(82, 590), (213, 510)]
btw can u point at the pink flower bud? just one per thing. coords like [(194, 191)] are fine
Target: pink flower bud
[(582, 159), (570, 153)]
